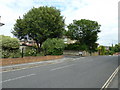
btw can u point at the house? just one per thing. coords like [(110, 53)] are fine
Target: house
[(27, 42), (68, 40), (31, 42), (106, 47)]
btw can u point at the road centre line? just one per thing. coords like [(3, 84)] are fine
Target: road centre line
[(62, 67), (33, 74), (17, 78)]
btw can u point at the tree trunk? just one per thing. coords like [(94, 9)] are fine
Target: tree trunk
[(39, 44)]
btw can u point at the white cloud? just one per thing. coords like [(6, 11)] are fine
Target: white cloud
[(105, 12)]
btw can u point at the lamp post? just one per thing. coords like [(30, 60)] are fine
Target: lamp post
[(22, 50)]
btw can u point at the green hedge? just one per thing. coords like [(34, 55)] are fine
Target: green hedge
[(53, 46), (30, 51), (10, 53), (9, 47)]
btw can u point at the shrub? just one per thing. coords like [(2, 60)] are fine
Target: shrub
[(53, 46), (5, 53), (15, 53), (10, 53), (111, 52), (9, 43), (30, 51), (9, 47)]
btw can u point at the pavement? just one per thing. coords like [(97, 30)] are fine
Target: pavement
[(30, 65), (69, 72)]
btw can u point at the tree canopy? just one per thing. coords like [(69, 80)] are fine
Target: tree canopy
[(85, 31), (40, 24), (115, 48)]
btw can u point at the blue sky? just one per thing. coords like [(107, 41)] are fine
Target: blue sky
[(105, 12)]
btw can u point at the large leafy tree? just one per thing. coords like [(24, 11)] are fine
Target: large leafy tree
[(86, 32), (40, 24)]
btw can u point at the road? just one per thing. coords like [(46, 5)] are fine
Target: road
[(114, 82), (75, 72)]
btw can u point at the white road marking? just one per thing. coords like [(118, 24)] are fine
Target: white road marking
[(17, 78), (110, 79), (29, 67), (38, 65), (61, 67), (21, 69)]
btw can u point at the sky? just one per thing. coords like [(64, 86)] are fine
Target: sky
[(105, 12)]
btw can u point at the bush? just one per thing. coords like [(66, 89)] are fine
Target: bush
[(10, 54), (15, 53), (30, 51), (53, 46), (111, 52), (9, 43), (9, 47), (5, 53)]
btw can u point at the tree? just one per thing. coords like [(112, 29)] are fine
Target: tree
[(40, 24), (85, 31), (117, 48), (114, 49), (53, 46), (101, 50)]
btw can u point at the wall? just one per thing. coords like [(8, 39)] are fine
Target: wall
[(72, 52)]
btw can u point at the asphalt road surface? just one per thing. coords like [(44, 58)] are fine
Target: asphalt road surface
[(75, 72)]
